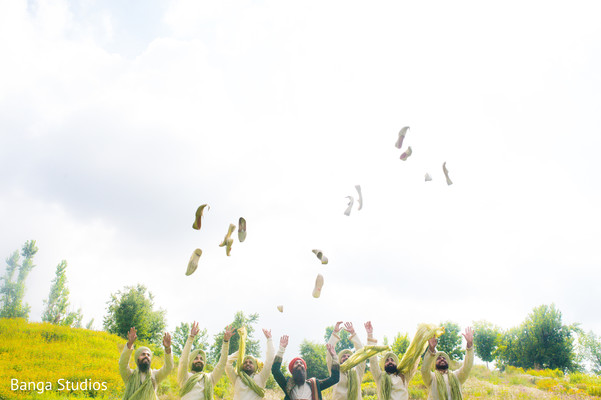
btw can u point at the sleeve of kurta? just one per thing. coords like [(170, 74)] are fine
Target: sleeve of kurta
[(124, 369), (334, 339), (373, 364), (358, 345), (276, 371), (427, 374), (220, 367), (230, 371), (166, 369), (463, 372), (269, 354), (182, 369)]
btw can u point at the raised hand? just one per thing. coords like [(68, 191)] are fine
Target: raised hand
[(131, 337), (369, 329), (337, 327), (284, 341), (331, 350), (348, 326), (229, 332), (194, 330), (469, 336), (267, 333), (167, 342), (432, 343)]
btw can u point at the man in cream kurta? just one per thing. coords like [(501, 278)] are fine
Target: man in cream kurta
[(140, 389), (341, 389), (399, 383), (197, 363), (250, 366), (451, 380)]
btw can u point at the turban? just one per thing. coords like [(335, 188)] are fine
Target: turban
[(139, 351), (295, 360), (194, 354), (388, 354)]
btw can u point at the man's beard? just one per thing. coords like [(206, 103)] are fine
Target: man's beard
[(197, 367), (442, 367), (143, 365), (299, 375), (390, 368), (249, 371)]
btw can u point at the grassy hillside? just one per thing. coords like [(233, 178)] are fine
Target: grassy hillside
[(37, 353)]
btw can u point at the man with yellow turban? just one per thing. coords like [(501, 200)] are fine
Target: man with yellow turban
[(393, 382), (198, 385), (249, 378), (299, 387), (142, 382), (442, 383), (349, 386)]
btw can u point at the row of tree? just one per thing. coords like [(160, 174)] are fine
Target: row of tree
[(541, 341)]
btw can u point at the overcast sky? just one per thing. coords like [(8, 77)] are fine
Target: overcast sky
[(118, 119)]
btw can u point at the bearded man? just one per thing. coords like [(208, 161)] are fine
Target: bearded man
[(393, 383), (442, 383), (142, 382), (349, 386), (299, 387), (249, 380), (198, 385)]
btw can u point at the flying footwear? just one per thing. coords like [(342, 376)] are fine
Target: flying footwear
[(446, 173), (427, 177), (406, 154), (318, 286), (241, 229), (193, 263), (281, 308), (402, 133), (228, 246), (196, 224), (360, 199), (322, 258), (227, 236), (350, 205)]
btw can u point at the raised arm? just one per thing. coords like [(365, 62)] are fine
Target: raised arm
[(373, 361), (220, 367), (269, 354), (168, 364), (348, 326), (463, 372), (277, 363), (124, 369), (334, 370), (230, 371), (334, 339), (182, 369), (427, 374)]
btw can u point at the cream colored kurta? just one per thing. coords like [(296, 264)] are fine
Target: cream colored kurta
[(183, 374), (157, 374), (400, 386), (341, 388), (461, 374), (243, 392)]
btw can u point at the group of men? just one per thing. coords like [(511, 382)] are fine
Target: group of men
[(392, 376)]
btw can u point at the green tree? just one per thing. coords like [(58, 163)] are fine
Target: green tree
[(345, 341), (180, 336), (314, 355), (450, 341), (486, 340), (57, 305), (400, 344), (541, 341), (13, 291), (134, 306), (591, 346), (252, 345)]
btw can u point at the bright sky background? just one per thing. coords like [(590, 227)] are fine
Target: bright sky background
[(118, 119)]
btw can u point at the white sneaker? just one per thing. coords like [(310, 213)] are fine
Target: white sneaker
[(446, 173), (402, 133), (360, 200), (318, 286), (197, 220), (406, 154), (350, 205), (241, 229), (193, 263), (322, 258)]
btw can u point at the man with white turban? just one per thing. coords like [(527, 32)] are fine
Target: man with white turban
[(249, 379), (393, 382), (142, 382), (198, 385), (349, 386), (299, 387), (442, 383)]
